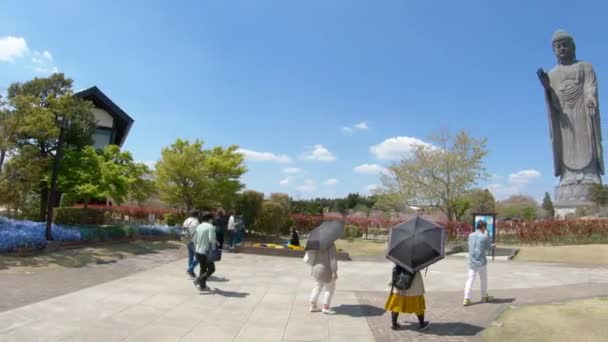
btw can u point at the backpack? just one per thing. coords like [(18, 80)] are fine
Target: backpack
[(402, 279)]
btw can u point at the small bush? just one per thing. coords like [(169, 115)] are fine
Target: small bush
[(352, 232), (175, 219), (271, 219), (76, 216)]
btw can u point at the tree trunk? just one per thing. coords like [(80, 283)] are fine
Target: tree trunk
[(2, 156), (44, 194)]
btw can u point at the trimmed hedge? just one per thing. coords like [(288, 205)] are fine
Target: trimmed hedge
[(76, 216)]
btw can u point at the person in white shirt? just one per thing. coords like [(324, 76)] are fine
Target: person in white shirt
[(231, 230), (189, 226)]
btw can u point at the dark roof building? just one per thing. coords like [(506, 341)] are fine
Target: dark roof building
[(113, 124)]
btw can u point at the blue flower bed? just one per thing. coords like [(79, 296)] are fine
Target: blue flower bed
[(15, 233), (156, 230)]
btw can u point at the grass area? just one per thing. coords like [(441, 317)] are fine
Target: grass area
[(361, 247), (580, 320), (80, 257), (581, 254)]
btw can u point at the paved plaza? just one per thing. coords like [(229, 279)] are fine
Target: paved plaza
[(261, 298)]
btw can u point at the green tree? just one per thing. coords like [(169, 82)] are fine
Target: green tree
[(548, 206), (21, 175), (109, 173), (191, 177), (518, 206), (143, 187), (598, 194), (482, 201), (249, 203), (282, 199), (37, 103), (272, 218), (437, 175), (10, 124)]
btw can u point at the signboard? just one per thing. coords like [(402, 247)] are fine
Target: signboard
[(490, 219)]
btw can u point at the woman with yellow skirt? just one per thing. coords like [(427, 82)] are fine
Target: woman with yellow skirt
[(406, 298)]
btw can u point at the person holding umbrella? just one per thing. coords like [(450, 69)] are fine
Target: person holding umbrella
[(479, 245), (413, 245), (406, 296), (321, 255)]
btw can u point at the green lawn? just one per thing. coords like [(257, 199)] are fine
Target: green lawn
[(580, 254), (580, 320)]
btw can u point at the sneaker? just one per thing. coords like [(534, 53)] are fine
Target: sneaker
[(328, 311), (487, 299), (314, 308), (466, 302), (206, 288), (191, 274), (423, 326), (396, 326)]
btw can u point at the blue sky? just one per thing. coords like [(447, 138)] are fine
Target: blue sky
[(314, 89)]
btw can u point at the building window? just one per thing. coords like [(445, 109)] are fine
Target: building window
[(102, 138)]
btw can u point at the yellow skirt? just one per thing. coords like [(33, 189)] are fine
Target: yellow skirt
[(405, 304)]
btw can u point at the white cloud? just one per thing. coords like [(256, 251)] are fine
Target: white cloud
[(515, 185), (370, 169), (285, 181), (293, 170), (43, 62), (361, 126), (331, 181), (523, 177), (12, 48), (265, 156), (308, 186), (372, 188), (396, 148), (47, 55), (320, 153)]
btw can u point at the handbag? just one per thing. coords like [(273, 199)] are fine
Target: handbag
[(214, 255), (402, 279)]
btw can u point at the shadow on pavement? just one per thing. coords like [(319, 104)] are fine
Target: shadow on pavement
[(229, 294), (496, 301), (359, 310), (447, 329), (98, 254)]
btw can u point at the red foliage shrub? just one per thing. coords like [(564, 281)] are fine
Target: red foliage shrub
[(554, 232)]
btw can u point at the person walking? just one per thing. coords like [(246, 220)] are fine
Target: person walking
[(221, 224), (479, 246), (204, 240), (231, 230), (406, 296), (188, 229), (325, 272), (240, 228)]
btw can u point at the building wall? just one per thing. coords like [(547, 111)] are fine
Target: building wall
[(103, 118)]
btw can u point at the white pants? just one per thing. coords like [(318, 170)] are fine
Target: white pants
[(328, 290), (483, 279)]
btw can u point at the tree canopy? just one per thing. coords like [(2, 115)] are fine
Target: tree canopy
[(437, 175)]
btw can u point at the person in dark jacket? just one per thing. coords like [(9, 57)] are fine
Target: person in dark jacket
[(221, 226), (295, 238)]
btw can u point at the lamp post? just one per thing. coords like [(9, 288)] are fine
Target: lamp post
[(63, 123)]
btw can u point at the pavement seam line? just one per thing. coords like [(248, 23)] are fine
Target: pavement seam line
[(250, 314), (295, 297)]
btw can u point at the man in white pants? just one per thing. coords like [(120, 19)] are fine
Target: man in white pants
[(479, 246)]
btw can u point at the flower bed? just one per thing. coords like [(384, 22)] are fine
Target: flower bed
[(280, 250), (16, 234)]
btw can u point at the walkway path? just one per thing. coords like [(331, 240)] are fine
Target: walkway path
[(261, 298)]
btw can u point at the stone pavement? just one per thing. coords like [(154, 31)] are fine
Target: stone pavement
[(260, 298), (30, 280)]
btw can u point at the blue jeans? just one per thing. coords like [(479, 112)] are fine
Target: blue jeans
[(192, 262)]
